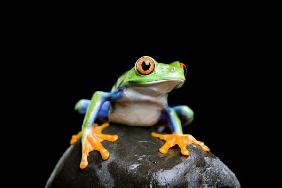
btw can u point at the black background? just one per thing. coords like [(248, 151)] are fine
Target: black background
[(65, 56), (215, 90)]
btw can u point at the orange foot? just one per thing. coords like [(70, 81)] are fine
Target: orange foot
[(92, 141), (182, 140)]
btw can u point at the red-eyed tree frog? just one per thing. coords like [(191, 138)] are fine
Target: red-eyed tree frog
[(139, 98)]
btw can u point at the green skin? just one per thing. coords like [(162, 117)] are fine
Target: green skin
[(162, 73), (138, 96)]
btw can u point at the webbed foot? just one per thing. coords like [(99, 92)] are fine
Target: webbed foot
[(182, 140), (92, 141)]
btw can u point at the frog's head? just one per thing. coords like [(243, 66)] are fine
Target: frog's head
[(147, 72)]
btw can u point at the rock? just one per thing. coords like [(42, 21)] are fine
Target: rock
[(135, 162)]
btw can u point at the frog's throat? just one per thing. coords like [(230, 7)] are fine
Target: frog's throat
[(176, 83)]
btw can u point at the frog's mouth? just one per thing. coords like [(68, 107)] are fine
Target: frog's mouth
[(157, 87)]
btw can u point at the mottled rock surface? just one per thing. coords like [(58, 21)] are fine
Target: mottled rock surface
[(135, 162)]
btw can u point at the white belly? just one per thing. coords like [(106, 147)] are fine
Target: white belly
[(139, 106), (135, 114)]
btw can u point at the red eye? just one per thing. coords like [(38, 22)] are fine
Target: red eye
[(182, 65), (145, 65)]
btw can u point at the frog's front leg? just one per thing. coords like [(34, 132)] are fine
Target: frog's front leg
[(91, 134), (177, 137)]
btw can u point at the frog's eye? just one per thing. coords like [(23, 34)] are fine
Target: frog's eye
[(145, 65), (183, 66)]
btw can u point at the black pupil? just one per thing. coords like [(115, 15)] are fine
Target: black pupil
[(146, 65)]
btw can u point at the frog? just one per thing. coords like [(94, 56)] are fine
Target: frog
[(138, 98)]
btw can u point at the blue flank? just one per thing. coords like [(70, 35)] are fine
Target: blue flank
[(100, 110)]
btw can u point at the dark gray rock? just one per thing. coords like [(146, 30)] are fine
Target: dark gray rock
[(135, 162)]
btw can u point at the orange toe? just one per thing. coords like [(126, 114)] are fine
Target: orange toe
[(75, 138), (92, 142), (182, 140)]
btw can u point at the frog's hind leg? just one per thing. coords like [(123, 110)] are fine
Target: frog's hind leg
[(82, 105), (185, 114)]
